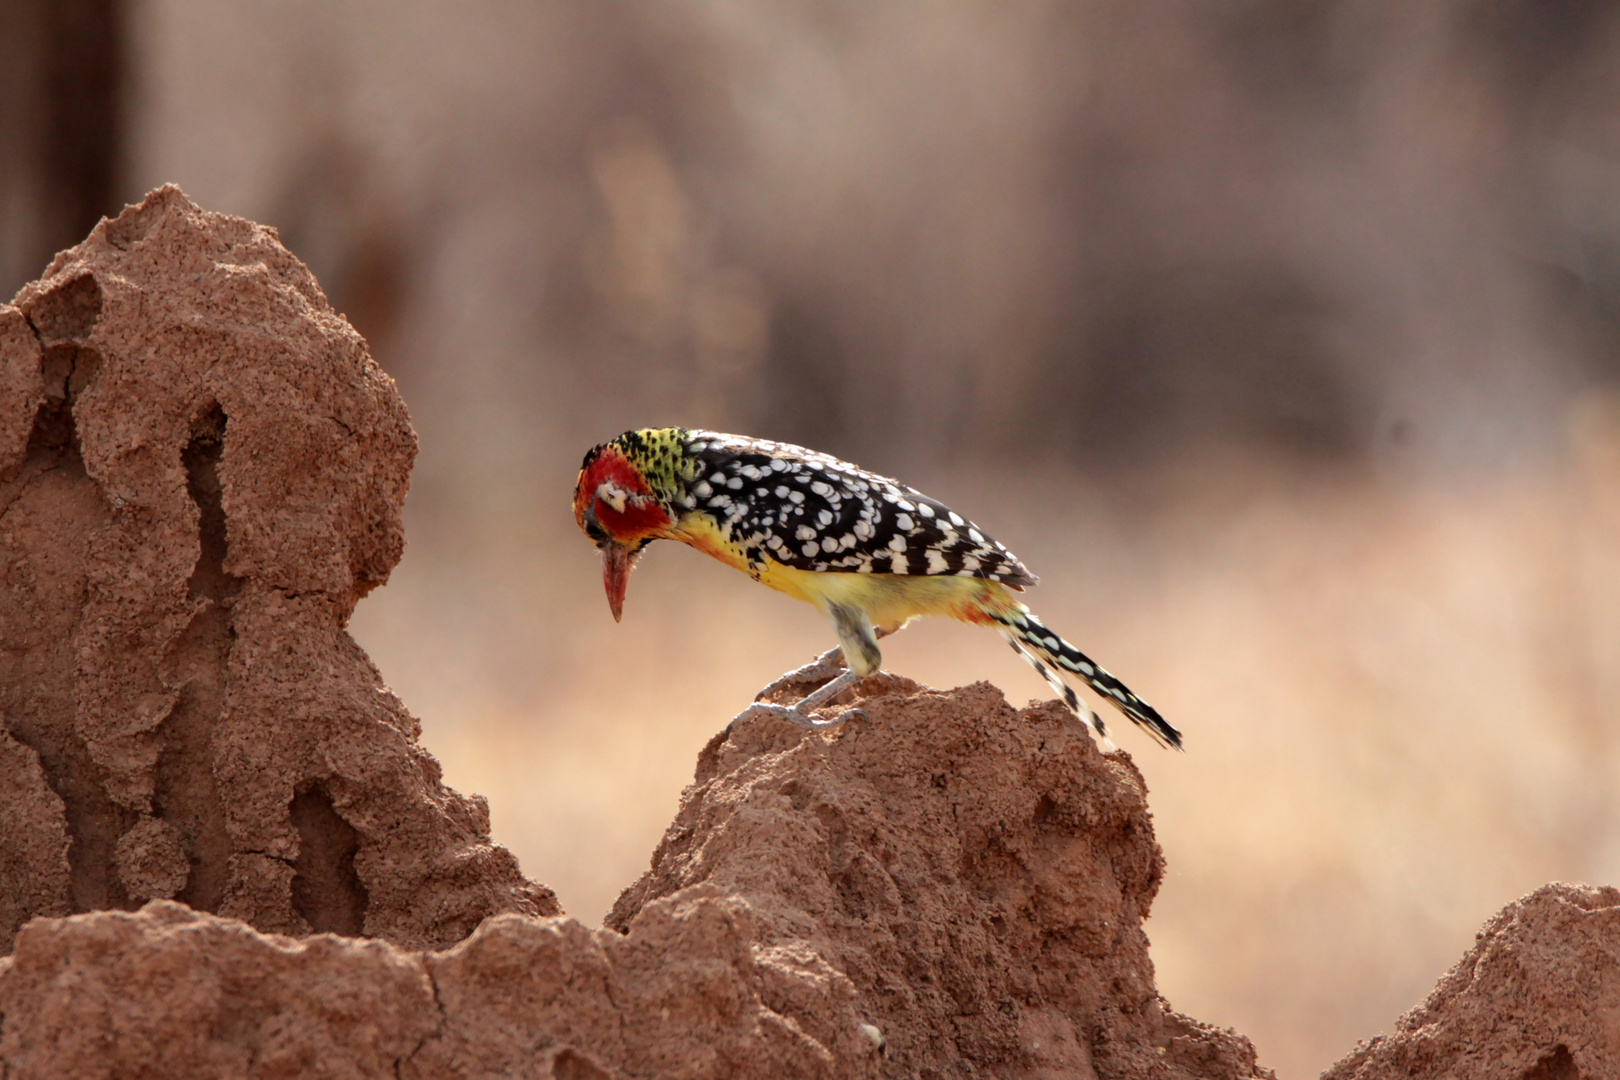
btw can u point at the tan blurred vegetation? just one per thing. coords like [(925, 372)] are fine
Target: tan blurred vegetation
[(1278, 336)]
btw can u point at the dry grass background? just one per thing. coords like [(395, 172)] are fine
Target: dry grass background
[(1276, 336), (1400, 705)]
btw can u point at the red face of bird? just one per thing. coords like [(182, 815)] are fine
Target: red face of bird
[(620, 514)]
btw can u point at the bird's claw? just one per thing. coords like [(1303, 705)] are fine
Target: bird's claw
[(799, 712), (791, 715), (820, 670)]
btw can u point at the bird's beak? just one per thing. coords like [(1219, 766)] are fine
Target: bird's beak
[(617, 562)]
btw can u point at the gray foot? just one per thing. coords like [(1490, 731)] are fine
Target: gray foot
[(822, 668), (799, 712), (759, 710)]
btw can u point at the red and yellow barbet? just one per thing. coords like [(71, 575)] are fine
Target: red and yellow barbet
[(869, 552)]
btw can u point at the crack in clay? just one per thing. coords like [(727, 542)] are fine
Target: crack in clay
[(326, 889), (26, 484), (267, 855), (442, 1018), (69, 311), (185, 793), (621, 1020), (209, 580)]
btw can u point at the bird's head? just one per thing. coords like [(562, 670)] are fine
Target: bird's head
[(622, 501)]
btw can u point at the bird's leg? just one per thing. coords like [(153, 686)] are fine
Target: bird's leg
[(827, 669), (799, 712), (827, 693), (819, 670), (857, 638)]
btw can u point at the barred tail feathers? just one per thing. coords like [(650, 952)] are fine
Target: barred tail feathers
[(1074, 701), (1035, 642)]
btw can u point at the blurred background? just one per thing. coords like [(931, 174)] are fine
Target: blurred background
[(1280, 337)]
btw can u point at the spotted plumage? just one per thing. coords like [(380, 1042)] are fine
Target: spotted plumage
[(813, 512), (869, 551)]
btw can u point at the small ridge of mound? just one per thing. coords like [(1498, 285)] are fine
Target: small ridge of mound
[(1536, 998)]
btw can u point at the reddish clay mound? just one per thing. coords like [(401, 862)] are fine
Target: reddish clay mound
[(1536, 998), (980, 876), (201, 472), (960, 881), (168, 992)]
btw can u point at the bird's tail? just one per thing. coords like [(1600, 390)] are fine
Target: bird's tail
[(1031, 639)]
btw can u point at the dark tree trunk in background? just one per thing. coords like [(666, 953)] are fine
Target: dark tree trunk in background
[(62, 85)]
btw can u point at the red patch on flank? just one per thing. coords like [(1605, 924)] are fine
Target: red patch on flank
[(972, 613), (982, 609)]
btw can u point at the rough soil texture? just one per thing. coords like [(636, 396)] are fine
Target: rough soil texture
[(979, 876), (223, 853), (949, 888), (1536, 998), (201, 471)]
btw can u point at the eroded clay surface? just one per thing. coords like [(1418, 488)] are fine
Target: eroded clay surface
[(948, 888), (201, 471), (1536, 998), (225, 853)]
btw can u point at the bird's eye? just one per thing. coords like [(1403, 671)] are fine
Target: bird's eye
[(593, 528)]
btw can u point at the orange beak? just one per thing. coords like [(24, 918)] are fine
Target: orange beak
[(617, 562)]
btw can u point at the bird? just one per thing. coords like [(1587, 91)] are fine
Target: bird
[(870, 552)]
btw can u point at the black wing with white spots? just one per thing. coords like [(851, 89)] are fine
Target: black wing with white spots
[(813, 512)]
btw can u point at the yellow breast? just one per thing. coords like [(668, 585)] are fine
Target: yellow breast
[(887, 599)]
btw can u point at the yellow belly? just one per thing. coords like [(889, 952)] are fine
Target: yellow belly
[(887, 599), (890, 599)]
